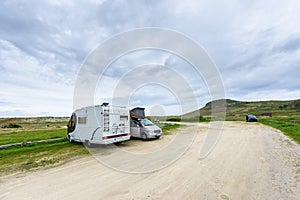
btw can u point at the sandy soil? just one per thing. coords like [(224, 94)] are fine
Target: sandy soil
[(250, 161)]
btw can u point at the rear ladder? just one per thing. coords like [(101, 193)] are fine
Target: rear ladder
[(106, 118)]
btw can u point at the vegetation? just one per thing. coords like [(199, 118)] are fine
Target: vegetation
[(17, 137), (184, 118), (32, 156), (196, 119), (11, 125), (167, 127), (283, 115), (174, 119), (22, 159), (26, 124), (236, 110), (290, 126)]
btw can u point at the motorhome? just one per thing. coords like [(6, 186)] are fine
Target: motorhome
[(99, 124), (141, 127)]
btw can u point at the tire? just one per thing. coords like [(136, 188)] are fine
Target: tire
[(144, 137), (87, 143), (157, 137), (69, 139)]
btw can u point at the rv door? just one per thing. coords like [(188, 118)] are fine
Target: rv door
[(72, 123)]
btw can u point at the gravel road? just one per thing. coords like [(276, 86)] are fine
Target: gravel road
[(250, 161)]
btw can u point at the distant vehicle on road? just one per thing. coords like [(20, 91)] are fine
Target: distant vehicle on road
[(156, 121), (251, 118)]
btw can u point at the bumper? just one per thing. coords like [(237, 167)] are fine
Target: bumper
[(105, 140), (116, 139), (154, 135)]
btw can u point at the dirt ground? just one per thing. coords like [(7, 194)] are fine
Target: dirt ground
[(249, 161)]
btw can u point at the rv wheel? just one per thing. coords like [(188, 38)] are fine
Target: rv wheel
[(69, 138), (144, 137), (87, 143)]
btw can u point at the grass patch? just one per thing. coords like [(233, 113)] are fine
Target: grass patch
[(31, 124), (22, 159), (20, 136), (168, 127), (34, 156), (11, 125), (290, 126), (187, 119)]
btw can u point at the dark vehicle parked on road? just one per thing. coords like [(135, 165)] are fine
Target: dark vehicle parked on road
[(251, 118)]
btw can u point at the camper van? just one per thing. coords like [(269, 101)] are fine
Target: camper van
[(141, 127), (99, 124)]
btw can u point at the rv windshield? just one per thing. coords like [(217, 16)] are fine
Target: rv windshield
[(146, 122)]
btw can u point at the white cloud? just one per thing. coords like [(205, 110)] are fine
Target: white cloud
[(151, 76), (30, 86), (43, 43)]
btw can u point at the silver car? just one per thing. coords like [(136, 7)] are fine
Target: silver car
[(145, 129)]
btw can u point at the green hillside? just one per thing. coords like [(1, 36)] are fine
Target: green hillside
[(236, 110), (282, 115)]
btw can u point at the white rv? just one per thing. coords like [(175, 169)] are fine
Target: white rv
[(100, 124)]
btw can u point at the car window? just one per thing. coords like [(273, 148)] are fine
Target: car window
[(146, 122)]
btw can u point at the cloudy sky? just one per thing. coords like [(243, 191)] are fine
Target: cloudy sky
[(43, 45)]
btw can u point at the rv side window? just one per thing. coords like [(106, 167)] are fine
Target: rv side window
[(123, 118), (81, 120)]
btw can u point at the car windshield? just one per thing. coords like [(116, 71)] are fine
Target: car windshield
[(146, 122)]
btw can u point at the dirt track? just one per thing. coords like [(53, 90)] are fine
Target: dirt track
[(250, 161)]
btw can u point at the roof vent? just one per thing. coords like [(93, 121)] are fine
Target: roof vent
[(104, 104)]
